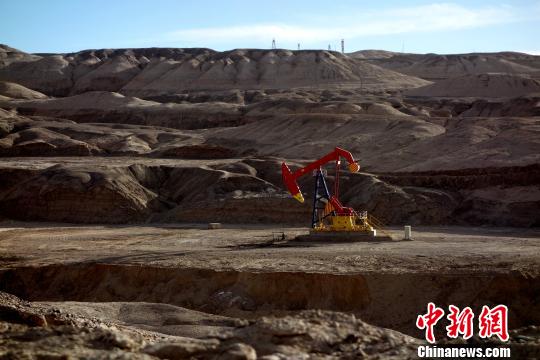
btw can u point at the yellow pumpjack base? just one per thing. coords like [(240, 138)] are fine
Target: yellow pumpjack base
[(343, 229), (341, 236), (345, 223)]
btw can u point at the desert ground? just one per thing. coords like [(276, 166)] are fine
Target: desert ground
[(113, 162)]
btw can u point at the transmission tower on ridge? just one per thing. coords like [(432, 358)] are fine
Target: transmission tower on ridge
[(273, 43), (343, 46)]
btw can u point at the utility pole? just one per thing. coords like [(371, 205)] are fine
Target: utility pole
[(273, 44), (343, 46), (298, 46)]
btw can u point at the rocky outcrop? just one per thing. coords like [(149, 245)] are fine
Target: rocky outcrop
[(31, 330), (325, 334)]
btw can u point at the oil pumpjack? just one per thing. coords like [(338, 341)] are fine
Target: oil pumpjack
[(330, 219)]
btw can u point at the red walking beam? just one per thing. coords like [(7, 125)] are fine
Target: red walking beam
[(289, 178)]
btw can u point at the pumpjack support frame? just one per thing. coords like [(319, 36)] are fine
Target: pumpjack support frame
[(330, 220), (321, 197)]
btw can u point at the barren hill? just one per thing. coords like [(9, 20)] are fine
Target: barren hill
[(436, 67), (158, 71), (148, 127), (244, 68)]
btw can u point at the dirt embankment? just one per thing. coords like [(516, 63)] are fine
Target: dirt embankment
[(45, 330), (372, 296)]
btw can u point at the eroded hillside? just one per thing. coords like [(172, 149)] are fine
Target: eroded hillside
[(198, 135)]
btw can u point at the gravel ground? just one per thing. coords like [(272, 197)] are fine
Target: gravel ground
[(258, 248)]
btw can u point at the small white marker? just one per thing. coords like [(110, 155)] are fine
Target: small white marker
[(407, 232), (214, 226)]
